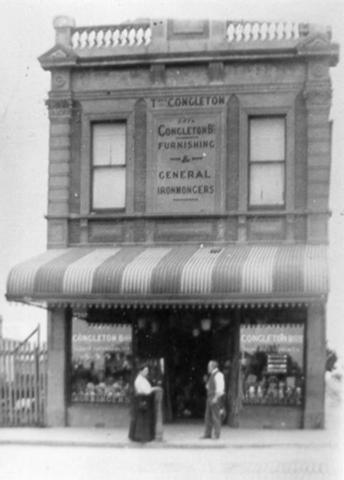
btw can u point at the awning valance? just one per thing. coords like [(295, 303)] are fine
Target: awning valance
[(172, 274)]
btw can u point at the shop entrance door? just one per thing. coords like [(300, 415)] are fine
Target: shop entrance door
[(183, 342), (193, 340), (187, 360)]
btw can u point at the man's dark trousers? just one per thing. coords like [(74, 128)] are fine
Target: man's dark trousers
[(212, 418)]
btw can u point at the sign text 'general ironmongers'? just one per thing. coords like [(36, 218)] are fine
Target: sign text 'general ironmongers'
[(185, 149)]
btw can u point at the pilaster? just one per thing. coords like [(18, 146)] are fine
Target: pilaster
[(59, 337), (315, 367), (60, 115), (317, 96)]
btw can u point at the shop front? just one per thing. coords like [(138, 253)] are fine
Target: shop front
[(258, 310), (99, 389), (176, 343), (272, 374)]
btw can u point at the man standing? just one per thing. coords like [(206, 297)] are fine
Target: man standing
[(215, 391)]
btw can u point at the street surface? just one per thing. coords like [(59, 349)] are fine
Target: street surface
[(83, 463), (25, 454)]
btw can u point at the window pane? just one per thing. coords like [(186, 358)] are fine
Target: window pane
[(272, 363), (267, 184), (101, 363), (109, 144), (109, 188), (267, 139)]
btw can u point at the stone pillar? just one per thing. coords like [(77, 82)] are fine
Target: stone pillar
[(58, 340), (63, 27), (317, 95), (60, 114), (158, 396), (315, 367), (234, 389)]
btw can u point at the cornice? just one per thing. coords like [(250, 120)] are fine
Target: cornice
[(184, 41), (166, 91), (57, 57), (147, 60), (148, 216)]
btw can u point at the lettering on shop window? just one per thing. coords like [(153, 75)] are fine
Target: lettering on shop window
[(185, 149), (272, 370), (273, 338), (101, 362)]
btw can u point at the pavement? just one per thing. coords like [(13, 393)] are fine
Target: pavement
[(175, 436), (187, 435)]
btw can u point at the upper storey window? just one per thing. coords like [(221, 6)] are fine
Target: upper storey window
[(108, 165), (267, 162)]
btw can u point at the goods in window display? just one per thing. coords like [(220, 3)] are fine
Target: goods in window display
[(116, 392), (271, 364), (102, 363)]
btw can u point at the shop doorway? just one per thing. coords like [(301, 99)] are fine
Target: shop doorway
[(194, 338), (188, 353), (184, 342)]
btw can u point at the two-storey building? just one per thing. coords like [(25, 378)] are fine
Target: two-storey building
[(187, 218)]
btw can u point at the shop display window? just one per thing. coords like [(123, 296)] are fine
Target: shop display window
[(101, 363), (272, 370)]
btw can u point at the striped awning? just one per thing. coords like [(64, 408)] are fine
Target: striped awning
[(141, 275)]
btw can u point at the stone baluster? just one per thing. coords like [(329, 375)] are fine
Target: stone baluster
[(262, 31), (106, 36)]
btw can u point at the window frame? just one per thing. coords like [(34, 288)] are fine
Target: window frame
[(268, 104), (267, 206), (94, 112), (124, 346), (94, 167)]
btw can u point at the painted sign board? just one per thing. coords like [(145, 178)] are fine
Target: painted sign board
[(185, 154), (185, 149)]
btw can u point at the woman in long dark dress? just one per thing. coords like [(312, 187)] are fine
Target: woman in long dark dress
[(142, 425)]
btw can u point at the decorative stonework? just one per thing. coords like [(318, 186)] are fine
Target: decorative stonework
[(59, 53), (318, 95), (57, 233), (242, 228), (60, 107), (318, 70), (216, 72), (221, 230), (158, 74), (110, 36), (57, 56), (315, 42), (60, 80), (262, 31), (264, 73)]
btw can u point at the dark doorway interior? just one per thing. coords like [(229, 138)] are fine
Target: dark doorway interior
[(186, 341), (189, 353)]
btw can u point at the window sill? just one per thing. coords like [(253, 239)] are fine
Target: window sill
[(121, 214), (269, 403)]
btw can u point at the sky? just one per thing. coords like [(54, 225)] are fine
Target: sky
[(27, 32)]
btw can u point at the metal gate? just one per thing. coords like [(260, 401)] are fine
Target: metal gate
[(23, 378)]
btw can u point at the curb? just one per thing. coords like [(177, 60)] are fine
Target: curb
[(159, 445), (135, 445)]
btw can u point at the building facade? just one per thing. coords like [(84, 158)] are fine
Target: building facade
[(187, 218)]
